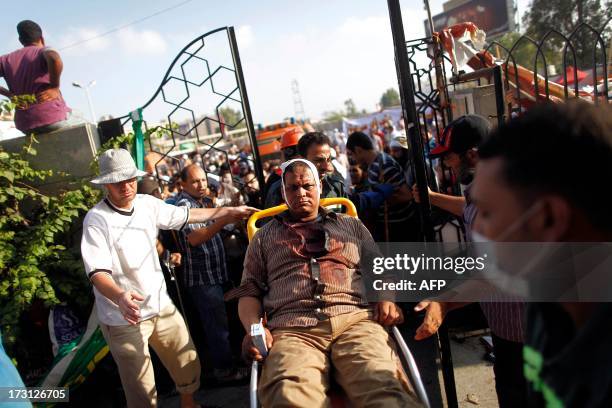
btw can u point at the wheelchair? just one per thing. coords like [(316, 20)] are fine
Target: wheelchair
[(408, 358)]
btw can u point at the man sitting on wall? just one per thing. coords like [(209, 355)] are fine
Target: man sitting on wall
[(35, 70), (303, 270)]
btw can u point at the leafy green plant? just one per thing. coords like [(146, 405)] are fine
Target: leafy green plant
[(17, 102), (32, 226)]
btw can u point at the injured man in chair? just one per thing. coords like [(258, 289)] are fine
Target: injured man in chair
[(302, 270)]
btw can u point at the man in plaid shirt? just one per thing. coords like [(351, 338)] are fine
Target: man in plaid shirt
[(204, 270)]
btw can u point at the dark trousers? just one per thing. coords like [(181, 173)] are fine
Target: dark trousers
[(508, 368), (208, 300)]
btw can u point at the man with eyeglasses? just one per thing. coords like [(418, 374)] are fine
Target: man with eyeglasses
[(316, 148)]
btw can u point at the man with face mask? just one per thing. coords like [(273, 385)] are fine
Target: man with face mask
[(459, 150), (524, 193), (302, 270)]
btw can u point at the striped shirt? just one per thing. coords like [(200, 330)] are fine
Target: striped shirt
[(205, 263), (392, 174), (504, 315), (278, 268)]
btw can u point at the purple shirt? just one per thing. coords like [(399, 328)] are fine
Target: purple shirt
[(26, 73)]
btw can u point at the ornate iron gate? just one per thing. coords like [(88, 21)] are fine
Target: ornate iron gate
[(204, 78), (426, 89)]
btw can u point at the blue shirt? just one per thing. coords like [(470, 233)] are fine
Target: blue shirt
[(203, 264), (393, 174)]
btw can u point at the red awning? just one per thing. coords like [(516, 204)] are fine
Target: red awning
[(570, 76)]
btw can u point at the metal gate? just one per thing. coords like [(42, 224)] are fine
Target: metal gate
[(188, 106), (426, 89), (430, 89)]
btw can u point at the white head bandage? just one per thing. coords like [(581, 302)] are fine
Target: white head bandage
[(313, 169)]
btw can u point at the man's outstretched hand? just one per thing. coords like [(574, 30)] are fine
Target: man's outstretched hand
[(240, 213), (250, 352), (388, 313), (434, 316)]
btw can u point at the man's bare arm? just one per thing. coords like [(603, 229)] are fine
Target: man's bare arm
[(105, 284), (453, 204), (201, 235), (250, 310), (55, 67), (197, 215)]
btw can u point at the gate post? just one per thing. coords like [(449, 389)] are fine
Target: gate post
[(406, 87), (246, 108), (138, 147), (410, 116)]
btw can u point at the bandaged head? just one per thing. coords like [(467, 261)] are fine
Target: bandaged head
[(310, 165)]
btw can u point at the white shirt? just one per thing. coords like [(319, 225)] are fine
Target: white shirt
[(122, 243)]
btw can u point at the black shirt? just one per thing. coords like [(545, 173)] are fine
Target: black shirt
[(565, 367)]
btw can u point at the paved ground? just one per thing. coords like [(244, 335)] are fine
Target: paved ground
[(473, 376)]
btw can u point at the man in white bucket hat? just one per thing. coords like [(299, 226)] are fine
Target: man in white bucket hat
[(132, 303)]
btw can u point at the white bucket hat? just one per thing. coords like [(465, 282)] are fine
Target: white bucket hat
[(399, 139), (116, 165)]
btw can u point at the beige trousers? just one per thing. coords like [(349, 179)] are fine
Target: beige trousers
[(353, 348), (168, 335)]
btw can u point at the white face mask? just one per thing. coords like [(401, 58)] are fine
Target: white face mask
[(515, 282)]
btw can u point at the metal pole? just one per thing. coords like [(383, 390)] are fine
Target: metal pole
[(246, 107), (429, 19), (438, 53), (91, 109), (499, 94), (410, 116), (446, 360)]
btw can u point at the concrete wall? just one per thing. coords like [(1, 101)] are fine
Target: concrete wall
[(69, 151)]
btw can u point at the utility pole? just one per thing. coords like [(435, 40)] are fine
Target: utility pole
[(89, 102), (298, 106)]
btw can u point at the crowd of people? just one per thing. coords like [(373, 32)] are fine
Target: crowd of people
[(290, 274), (531, 180)]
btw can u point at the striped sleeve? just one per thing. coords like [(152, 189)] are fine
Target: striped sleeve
[(392, 172)]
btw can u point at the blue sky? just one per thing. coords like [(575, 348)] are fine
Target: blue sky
[(336, 49)]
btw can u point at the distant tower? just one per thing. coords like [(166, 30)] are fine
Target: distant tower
[(298, 106)]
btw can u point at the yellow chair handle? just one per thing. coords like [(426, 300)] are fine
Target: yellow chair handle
[(272, 211)]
